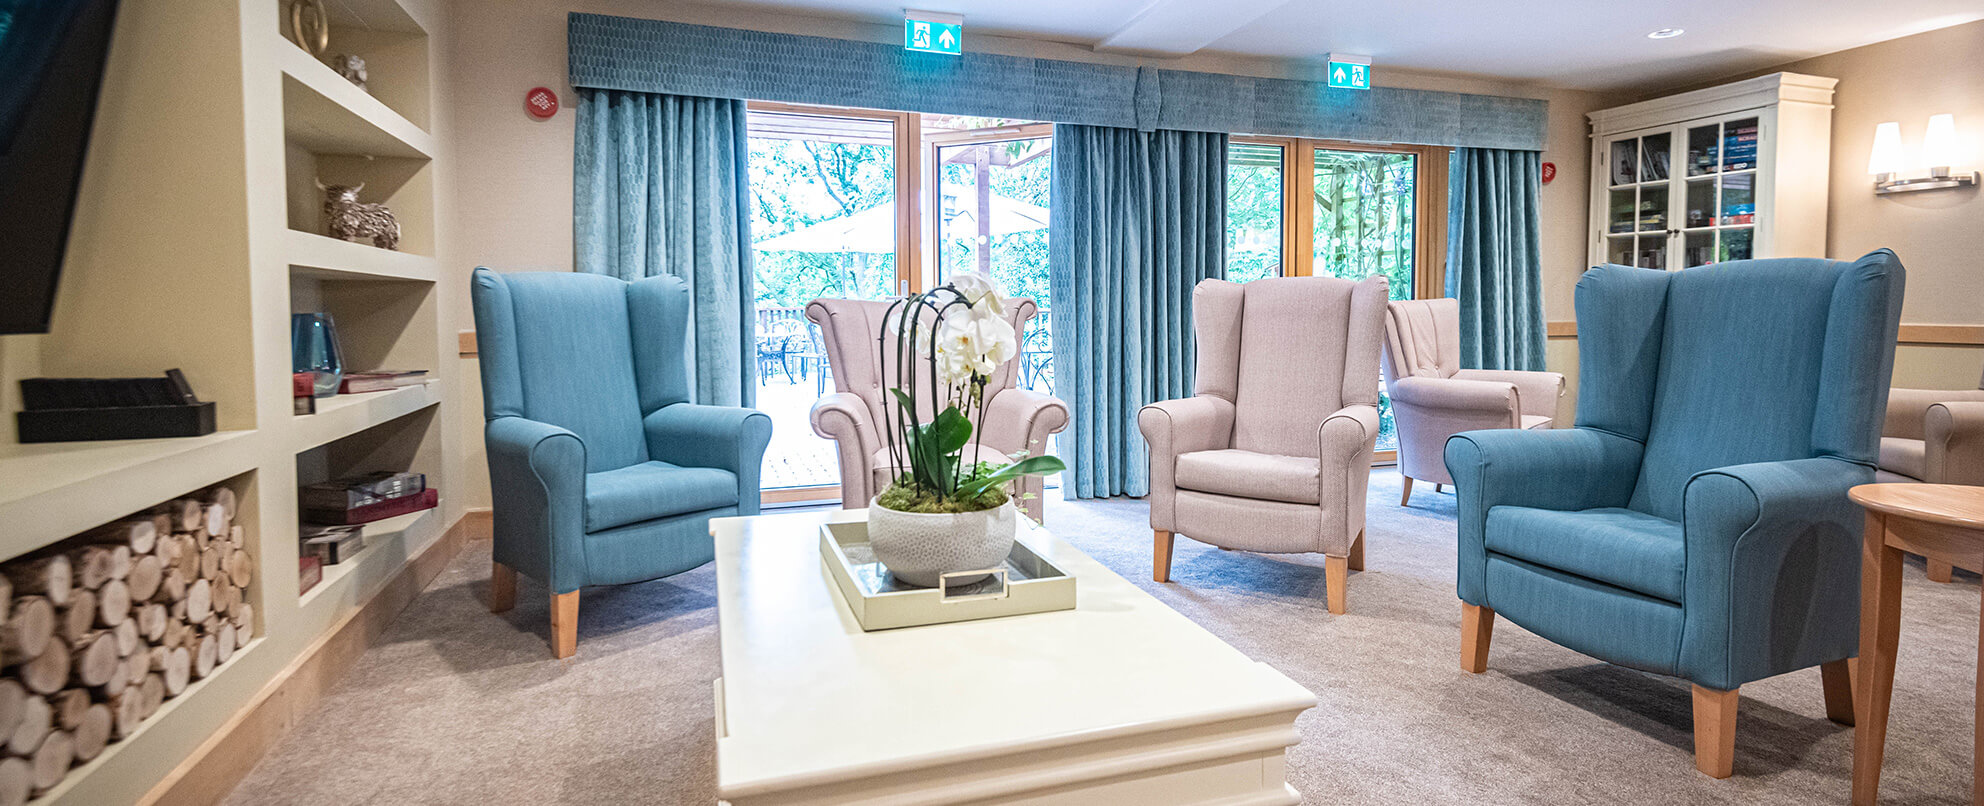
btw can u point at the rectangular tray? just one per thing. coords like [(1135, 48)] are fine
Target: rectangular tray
[(1030, 584)]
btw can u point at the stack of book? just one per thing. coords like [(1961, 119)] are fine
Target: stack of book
[(1739, 147), (380, 380), (367, 498)]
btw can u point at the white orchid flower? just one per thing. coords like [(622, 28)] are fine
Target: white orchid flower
[(980, 292)]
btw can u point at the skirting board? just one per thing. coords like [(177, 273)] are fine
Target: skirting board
[(211, 772)]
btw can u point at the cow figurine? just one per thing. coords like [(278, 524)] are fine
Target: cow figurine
[(348, 218)]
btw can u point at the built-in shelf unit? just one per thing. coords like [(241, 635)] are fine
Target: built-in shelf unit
[(199, 232)]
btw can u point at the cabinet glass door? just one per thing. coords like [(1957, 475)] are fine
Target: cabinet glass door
[(1719, 217), (1638, 199)]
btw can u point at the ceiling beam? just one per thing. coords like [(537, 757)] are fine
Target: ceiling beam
[(1180, 27)]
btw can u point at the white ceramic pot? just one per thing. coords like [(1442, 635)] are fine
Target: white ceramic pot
[(918, 547)]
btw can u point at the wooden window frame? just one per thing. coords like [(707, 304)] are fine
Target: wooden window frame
[(929, 197)]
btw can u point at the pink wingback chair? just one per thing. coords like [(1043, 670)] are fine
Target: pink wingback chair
[(1433, 398), (1273, 451), (1016, 420), (1935, 436)]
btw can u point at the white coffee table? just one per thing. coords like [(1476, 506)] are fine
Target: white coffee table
[(1121, 700)]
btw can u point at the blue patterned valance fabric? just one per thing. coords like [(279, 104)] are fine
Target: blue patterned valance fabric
[(622, 53)]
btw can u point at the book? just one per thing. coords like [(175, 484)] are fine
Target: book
[(380, 380), (309, 572), (362, 490), (332, 544), (391, 508)]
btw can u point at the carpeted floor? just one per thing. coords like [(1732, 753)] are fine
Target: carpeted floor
[(458, 706)]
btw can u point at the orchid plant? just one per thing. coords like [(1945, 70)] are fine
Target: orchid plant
[(947, 344)]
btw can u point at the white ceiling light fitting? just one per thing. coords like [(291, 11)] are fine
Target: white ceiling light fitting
[(1666, 33)]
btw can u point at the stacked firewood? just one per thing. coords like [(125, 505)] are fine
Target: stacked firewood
[(97, 631)]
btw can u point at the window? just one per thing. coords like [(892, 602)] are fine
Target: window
[(824, 223), (866, 204), (1254, 210), (1299, 207)]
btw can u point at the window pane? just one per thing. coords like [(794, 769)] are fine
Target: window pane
[(824, 225), (1364, 212), (1253, 211), (1365, 205), (993, 203)]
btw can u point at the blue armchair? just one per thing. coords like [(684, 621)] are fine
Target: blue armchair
[(601, 472), (1695, 522)]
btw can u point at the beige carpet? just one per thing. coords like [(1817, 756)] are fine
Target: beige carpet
[(458, 706)]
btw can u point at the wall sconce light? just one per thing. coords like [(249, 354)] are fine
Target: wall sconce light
[(1938, 152)]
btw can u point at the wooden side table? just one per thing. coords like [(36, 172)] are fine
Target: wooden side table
[(1944, 523)]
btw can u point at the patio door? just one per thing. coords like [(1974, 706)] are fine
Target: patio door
[(834, 214), (1301, 207)]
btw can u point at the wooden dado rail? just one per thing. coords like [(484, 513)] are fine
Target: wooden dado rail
[(1963, 335), (1960, 335)]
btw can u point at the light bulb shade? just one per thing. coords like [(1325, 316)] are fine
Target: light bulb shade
[(1939, 144), (1886, 156)]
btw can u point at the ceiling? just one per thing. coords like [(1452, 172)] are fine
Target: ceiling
[(1582, 44)]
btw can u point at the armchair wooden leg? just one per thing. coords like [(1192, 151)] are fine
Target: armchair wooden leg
[(502, 588), (1439, 488), (1405, 498), (564, 624), (1940, 571), (1837, 679), (1160, 568), (1357, 553), (1336, 575), (1715, 731), (1477, 628)]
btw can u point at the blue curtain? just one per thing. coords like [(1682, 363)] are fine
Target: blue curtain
[(1138, 219), (660, 185), (1494, 258)]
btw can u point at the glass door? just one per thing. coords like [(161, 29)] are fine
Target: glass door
[(1720, 219), (988, 209), (825, 223), (1638, 228), (1365, 216)]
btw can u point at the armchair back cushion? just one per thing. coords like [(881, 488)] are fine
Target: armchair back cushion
[(850, 328), (1267, 347), (1424, 339), (1753, 361), (586, 352)]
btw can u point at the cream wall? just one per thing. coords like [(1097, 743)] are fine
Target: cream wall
[(1938, 235), (512, 178)]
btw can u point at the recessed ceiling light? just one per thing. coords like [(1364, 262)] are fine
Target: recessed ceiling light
[(1666, 33)]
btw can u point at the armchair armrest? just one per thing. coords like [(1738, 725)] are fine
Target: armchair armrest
[(1564, 469), (537, 478), (1019, 420), (1773, 568), (1493, 403), (1907, 409), (843, 417), (1172, 427), (723, 437), (1344, 443), (1954, 435), (1537, 392)]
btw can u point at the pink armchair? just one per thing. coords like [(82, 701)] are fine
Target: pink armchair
[(1016, 420), (1935, 436), (1433, 398), (1273, 452)]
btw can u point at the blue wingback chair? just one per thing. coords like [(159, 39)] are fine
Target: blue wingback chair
[(1695, 522), (601, 472)]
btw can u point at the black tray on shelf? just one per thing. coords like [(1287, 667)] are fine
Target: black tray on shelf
[(123, 422)]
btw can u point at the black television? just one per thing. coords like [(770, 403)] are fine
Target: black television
[(51, 67)]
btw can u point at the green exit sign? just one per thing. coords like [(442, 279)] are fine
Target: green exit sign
[(927, 32), (1350, 72)]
